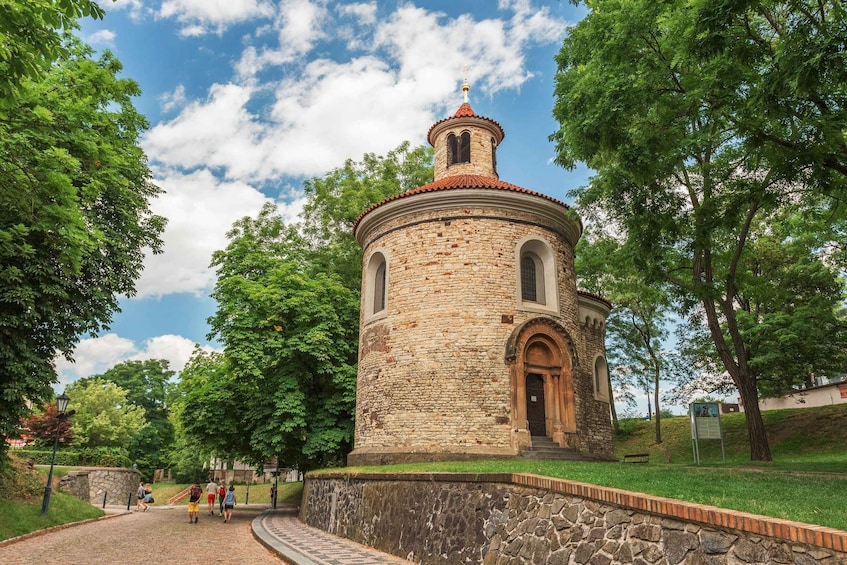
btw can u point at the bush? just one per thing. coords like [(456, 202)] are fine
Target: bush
[(64, 457)]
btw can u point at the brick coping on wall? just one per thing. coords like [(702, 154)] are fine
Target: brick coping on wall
[(828, 538)]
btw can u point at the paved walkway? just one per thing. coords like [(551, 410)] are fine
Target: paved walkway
[(299, 544), (162, 535)]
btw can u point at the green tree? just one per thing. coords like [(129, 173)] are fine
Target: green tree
[(666, 121), (74, 218), (147, 384), (637, 326), (104, 416), (31, 39), (211, 406), (291, 332)]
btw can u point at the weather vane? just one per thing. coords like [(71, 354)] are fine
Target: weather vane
[(465, 86)]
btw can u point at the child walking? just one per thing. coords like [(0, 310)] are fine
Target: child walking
[(229, 503)]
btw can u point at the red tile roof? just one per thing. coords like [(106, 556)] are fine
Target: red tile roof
[(465, 111), (459, 181), (595, 297)]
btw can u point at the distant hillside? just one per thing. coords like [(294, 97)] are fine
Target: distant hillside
[(808, 439)]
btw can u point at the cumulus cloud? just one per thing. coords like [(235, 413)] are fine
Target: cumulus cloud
[(200, 209), (104, 37), (172, 100), (204, 16), (96, 355)]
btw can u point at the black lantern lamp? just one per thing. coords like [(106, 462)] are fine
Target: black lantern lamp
[(61, 406)]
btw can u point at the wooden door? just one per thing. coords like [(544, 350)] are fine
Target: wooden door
[(535, 405)]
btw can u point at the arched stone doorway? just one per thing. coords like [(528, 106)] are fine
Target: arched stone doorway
[(541, 359)]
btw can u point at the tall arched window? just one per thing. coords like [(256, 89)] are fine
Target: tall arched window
[(375, 286), (465, 148), (537, 281), (452, 149), (531, 270), (494, 155), (379, 288), (601, 379)]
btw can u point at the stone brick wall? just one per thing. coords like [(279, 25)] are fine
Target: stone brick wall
[(91, 484), (444, 518)]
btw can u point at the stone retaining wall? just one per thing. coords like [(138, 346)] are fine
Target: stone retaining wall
[(498, 519), (118, 485)]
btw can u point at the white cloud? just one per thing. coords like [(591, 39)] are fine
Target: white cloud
[(201, 16), (136, 8), (364, 12), (96, 355), (200, 209), (172, 100), (102, 37)]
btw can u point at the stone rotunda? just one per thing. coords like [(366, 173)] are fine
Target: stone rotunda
[(474, 340)]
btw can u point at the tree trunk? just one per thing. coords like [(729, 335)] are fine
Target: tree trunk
[(759, 447), (656, 406), (615, 426)]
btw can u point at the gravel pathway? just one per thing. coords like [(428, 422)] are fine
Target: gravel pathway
[(160, 535)]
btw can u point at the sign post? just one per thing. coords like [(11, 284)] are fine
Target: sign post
[(705, 424)]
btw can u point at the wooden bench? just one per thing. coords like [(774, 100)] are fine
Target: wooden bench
[(637, 458)]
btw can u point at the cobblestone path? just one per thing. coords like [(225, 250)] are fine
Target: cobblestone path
[(160, 535)]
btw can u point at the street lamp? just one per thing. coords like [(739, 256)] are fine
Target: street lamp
[(61, 406)]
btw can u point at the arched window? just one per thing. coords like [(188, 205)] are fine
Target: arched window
[(379, 288), (601, 379), (375, 286), (494, 155), (452, 149), (465, 148), (531, 270), (537, 282)]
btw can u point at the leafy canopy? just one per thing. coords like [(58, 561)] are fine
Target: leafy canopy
[(74, 217), (673, 105)]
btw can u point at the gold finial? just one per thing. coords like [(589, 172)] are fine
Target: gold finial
[(465, 86)]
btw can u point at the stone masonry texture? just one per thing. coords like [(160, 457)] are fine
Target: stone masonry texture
[(451, 519)]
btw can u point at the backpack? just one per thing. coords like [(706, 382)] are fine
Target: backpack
[(194, 494)]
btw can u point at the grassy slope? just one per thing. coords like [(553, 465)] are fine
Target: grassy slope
[(21, 493), (803, 440)]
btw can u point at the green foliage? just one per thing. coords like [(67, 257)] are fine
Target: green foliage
[(637, 326), (687, 141), (148, 386), (291, 340), (104, 417), (74, 217), (67, 457), (31, 39)]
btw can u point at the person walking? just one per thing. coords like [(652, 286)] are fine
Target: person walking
[(211, 492), (194, 503), (229, 504), (148, 495), (221, 497), (140, 505)]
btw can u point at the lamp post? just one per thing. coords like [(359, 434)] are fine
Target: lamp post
[(61, 406)]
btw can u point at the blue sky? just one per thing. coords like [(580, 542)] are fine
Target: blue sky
[(247, 98)]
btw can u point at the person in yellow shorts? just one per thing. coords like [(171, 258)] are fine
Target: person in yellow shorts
[(194, 503)]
